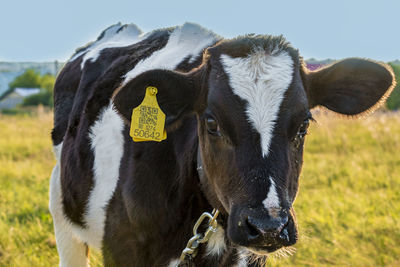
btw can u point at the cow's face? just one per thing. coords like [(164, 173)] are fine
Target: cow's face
[(252, 98), (251, 137), (253, 125)]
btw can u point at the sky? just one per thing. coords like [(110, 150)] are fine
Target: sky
[(47, 30)]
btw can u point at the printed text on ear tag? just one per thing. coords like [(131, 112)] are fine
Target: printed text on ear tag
[(148, 120)]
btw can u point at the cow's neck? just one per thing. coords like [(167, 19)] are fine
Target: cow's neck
[(170, 199)]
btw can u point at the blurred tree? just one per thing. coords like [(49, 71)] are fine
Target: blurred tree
[(45, 97), (47, 82), (29, 79)]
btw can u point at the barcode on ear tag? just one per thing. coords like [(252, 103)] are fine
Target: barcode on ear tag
[(148, 120)]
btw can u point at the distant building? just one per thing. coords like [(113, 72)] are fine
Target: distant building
[(17, 96)]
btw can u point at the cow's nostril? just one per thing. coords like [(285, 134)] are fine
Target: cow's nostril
[(284, 235), (284, 223), (252, 229)]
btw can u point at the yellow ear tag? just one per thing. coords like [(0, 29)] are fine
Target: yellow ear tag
[(148, 120)]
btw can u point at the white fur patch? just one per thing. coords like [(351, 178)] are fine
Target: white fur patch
[(242, 258), (57, 151), (174, 263), (262, 81), (185, 41), (107, 144), (216, 244), (55, 184), (71, 251), (272, 200), (112, 38)]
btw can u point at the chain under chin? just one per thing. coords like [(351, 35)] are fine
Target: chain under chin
[(191, 249)]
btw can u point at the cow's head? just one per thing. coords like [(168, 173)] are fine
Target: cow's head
[(252, 97)]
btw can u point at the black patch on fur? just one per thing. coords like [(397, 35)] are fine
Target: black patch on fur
[(242, 46), (65, 88)]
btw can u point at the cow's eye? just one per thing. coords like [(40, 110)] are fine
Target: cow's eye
[(302, 131), (212, 126)]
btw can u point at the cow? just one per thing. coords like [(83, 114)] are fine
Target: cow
[(236, 115)]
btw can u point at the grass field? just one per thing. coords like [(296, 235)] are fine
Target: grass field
[(348, 207)]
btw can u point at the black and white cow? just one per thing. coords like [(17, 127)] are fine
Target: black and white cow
[(239, 107)]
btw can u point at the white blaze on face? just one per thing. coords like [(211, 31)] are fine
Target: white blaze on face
[(262, 81), (272, 200)]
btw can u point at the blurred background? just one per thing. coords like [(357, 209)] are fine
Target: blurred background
[(348, 206)]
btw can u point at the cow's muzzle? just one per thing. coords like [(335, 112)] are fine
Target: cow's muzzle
[(260, 231)]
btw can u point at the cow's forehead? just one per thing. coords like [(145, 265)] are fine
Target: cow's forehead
[(261, 78)]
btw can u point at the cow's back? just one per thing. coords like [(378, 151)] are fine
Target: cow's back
[(78, 79)]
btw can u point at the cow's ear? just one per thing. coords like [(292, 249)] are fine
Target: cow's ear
[(176, 96), (351, 86)]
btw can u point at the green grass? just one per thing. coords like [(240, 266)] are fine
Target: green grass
[(348, 207)]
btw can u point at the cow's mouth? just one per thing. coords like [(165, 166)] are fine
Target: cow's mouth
[(264, 250), (260, 254)]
